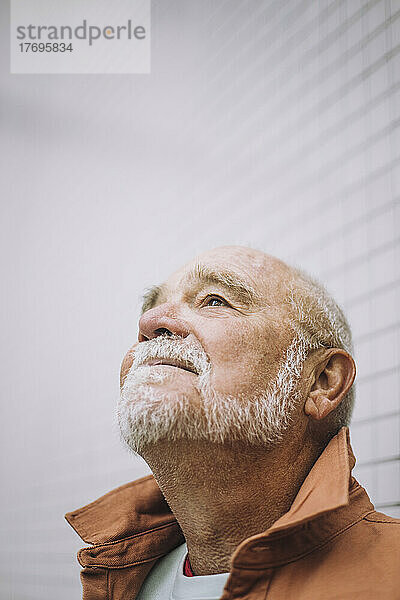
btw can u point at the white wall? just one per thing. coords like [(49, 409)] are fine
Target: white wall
[(272, 123)]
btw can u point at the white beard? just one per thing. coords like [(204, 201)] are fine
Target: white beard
[(146, 415)]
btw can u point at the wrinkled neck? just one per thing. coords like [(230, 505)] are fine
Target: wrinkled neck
[(221, 495)]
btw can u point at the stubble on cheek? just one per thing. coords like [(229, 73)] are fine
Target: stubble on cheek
[(246, 363)]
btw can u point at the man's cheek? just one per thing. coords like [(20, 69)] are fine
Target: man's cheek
[(236, 370), (229, 343), (126, 364)]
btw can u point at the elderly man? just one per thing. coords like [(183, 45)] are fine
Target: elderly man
[(237, 394)]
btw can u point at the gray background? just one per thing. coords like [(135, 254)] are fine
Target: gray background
[(273, 123)]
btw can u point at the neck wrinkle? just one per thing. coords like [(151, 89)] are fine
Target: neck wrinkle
[(222, 495)]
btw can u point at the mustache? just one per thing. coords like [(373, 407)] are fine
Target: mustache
[(172, 348)]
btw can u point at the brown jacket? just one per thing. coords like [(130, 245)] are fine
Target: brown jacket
[(331, 544)]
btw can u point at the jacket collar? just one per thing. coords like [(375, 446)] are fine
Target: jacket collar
[(133, 523), (129, 525), (326, 487), (329, 501)]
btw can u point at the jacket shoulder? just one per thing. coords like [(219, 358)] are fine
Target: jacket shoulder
[(378, 517), (381, 534)]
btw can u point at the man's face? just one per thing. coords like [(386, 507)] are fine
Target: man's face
[(221, 324)]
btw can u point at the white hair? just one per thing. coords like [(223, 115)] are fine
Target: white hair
[(319, 322)]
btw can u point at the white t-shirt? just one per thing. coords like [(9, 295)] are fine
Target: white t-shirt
[(166, 581)]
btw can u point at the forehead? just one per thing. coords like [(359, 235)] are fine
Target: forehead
[(264, 274)]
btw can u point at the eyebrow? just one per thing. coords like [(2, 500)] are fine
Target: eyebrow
[(203, 274), (150, 297)]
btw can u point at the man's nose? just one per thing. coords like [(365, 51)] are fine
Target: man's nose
[(158, 321)]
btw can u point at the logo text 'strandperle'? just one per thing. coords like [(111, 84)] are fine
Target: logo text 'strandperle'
[(81, 32)]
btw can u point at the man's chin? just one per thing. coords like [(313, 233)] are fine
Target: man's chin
[(151, 413)]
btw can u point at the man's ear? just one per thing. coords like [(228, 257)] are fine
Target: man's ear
[(333, 377)]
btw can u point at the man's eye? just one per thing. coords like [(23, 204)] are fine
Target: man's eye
[(214, 301)]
